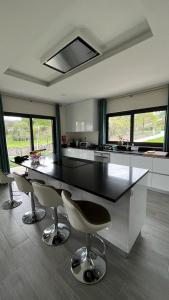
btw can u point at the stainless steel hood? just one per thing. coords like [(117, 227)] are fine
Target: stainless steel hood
[(74, 54)]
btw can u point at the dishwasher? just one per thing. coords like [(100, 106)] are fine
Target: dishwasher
[(102, 156)]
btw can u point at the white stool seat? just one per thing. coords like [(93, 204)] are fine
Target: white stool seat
[(24, 185), (8, 179), (87, 265), (48, 196)]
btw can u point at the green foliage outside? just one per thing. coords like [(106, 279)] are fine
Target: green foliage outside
[(119, 127), (18, 135), (150, 124), (157, 140)]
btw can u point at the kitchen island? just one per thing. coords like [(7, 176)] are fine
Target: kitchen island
[(121, 189)]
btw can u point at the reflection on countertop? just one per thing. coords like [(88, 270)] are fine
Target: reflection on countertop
[(109, 181)]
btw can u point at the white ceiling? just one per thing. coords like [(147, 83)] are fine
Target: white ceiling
[(29, 29)]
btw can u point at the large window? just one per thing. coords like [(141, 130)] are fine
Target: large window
[(25, 133), (149, 127), (42, 134), (141, 127), (119, 127), (17, 136)]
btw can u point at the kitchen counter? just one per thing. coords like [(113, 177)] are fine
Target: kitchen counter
[(121, 152), (121, 189), (109, 181)]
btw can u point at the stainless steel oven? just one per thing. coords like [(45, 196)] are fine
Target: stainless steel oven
[(102, 156)]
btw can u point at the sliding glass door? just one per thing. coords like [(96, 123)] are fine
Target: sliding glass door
[(17, 136), (25, 133), (43, 134)]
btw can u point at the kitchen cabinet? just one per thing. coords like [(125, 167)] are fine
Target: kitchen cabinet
[(78, 153), (82, 116), (160, 175), (144, 163), (87, 154), (120, 159), (161, 165), (160, 182), (141, 162), (71, 152)]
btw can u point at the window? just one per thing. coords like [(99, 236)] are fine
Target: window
[(18, 139), (119, 127), (42, 134), (141, 127), (25, 133), (149, 127)]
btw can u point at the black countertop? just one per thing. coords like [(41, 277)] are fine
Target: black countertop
[(108, 181)]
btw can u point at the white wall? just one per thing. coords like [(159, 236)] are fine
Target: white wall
[(91, 137), (17, 105), (142, 100)]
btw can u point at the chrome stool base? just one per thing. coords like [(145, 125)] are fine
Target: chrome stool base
[(11, 204), (55, 237), (88, 269), (30, 218)]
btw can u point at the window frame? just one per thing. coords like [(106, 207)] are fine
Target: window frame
[(31, 117), (132, 113)]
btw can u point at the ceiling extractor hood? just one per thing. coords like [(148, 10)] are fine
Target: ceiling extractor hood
[(72, 54)]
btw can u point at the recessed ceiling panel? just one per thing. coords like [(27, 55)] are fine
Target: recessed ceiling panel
[(74, 54)]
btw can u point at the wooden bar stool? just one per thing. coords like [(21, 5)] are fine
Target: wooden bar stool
[(87, 264)]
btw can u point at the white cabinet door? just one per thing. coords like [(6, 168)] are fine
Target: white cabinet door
[(71, 152), (120, 159), (142, 162), (160, 182), (87, 154), (82, 116), (64, 151), (161, 165), (78, 153)]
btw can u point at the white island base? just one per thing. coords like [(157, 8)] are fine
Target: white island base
[(127, 214)]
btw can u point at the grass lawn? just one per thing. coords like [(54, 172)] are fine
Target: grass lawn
[(156, 140), (19, 144)]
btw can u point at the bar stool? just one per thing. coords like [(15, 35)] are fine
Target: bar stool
[(11, 203), (88, 265), (36, 214), (48, 196)]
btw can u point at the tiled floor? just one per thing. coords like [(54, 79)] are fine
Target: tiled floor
[(30, 270)]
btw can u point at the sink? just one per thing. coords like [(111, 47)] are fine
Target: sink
[(123, 148)]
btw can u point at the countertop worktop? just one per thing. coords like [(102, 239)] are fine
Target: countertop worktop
[(109, 181), (121, 152)]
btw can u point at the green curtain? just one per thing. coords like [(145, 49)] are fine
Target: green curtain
[(57, 139), (102, 105), (4, 162), (166, 142)]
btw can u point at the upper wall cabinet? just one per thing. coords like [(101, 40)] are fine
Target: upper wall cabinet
[(82, 116)]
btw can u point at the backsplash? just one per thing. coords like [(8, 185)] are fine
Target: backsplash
[(91, 137)]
